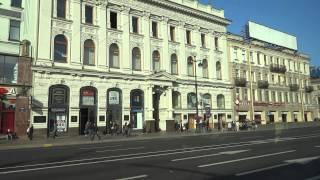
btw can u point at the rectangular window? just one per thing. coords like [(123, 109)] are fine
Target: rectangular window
[(265, 60), (259, 95), (273, 96), (89, 14), (16, 3), (203, 40), (154, 29), (188, 34), (113, 20), (237, 73), (14, 33), (135, 24), (216, 43), (251, 57), (286, 100), (253, 95), (245, 94), (243, 55), (61, 8), (271, 60), (279, 96), (172, 33), (8, 69), (258, 58), (235, 53), (266, 96)]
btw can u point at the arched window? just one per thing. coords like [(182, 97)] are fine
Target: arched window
[(114, 61), (218, 70), (206, 100), (136, 97), (205, 68), (89, 52), (60, 48), (174, 64), (156, 60), (220, 101), (190, 66), (136, 59), (176, 100), (192, 101)]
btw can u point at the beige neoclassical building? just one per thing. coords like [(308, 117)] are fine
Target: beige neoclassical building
[(128, 60), (272, 83)]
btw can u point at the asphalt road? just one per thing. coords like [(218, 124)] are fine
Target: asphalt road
[(279, 154)]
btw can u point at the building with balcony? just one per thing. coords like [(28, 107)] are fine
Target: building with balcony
[(15, 68), (314, 88), (277, 82), (128, 61)]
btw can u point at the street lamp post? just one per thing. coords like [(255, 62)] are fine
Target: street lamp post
[(196, 86)]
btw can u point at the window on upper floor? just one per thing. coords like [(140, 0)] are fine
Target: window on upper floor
[(192, 100), (113, 20), (156, 61), (279, 79), (136, 59), (190, 66), (258, 58), (243, 55), (89, 52), (286, 98), (60, 48), (135, 24), (272, 78), (176, 100), (216, 43), (61, 8), (266, 96), (188, 36), (154, 29), (265, 60), (271, 60), (14, 32), (203, 40), (237, 73), (279, 96), (114, 60), (251, 57), (205, 72), (253, 78), (278, 62), (16, 3), (253, 95), (89, 14), (206, 100), (220, 101), (245, 94), (8, 69), (259, 93), (273, 96), (235, 53), (172, 33), (218, 70), (174, 64)]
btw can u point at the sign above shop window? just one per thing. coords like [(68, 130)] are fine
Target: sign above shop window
[(87, 92), (114, 97)]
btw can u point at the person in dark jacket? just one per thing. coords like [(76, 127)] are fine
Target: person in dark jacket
[(30, 131)]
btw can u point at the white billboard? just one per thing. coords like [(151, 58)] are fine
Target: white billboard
[(272, 36)]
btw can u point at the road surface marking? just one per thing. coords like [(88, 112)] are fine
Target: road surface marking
[(247, 158), (47, 145), (101, 147), (314, 178), (125, 149), (134, 177), (251, 137), (261, 169), (210, 155)]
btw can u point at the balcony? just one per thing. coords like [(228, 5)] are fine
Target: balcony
[(240, 82), (309, 89), (294, 87), (278, 68), (263, 84)]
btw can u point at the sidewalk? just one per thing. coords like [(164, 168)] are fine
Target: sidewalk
[(76, 140)]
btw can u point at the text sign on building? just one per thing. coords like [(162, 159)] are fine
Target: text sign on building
[(88, 97), (114, 97)]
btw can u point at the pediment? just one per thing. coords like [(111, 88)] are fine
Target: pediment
[(162, 76)]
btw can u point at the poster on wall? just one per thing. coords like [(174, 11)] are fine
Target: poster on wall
[(114, 97), (139, 120), (61, 123)]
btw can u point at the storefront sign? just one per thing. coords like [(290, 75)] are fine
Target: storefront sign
[(8, 90), (88, 100), (61, 123), (114, 97)]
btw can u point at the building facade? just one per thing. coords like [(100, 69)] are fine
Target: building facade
[(15, 69), (128, 61), (315, 83), (272, 84)]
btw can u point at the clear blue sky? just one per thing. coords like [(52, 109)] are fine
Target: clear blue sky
[(300, 18)]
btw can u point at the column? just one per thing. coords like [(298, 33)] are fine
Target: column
[(146, 62), (125, 51)]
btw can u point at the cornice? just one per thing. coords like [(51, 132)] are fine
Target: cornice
[(188, 10)]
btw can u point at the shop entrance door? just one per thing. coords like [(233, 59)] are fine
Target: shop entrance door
[(7, 122), (284, 118), (86, 114)]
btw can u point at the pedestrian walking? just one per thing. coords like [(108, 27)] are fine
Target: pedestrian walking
[(30, 132), (87, 127), (125, 129), (94, 132)]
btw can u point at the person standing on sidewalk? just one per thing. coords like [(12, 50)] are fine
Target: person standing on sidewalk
[(94, 132), (30, 132), (55, 129)]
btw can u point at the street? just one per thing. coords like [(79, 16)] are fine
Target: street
[(273, 154)]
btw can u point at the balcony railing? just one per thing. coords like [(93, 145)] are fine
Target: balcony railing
[(240, 82), (294, 87), (278, 68), (263, 84), (309, 89)]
